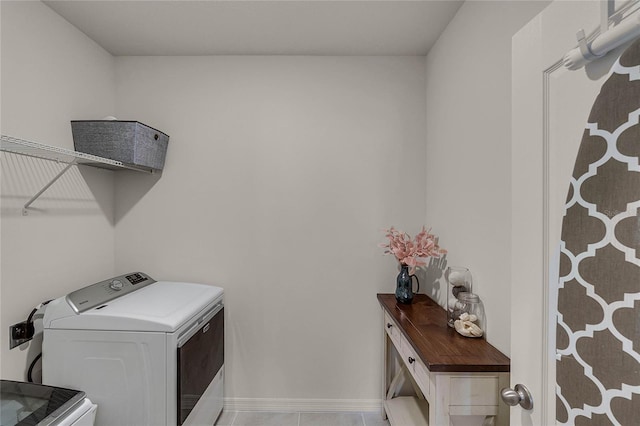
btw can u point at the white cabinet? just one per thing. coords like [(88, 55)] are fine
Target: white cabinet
[(434, 376)]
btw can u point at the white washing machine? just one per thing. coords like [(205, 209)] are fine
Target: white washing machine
[(146, 352), (24, 403)]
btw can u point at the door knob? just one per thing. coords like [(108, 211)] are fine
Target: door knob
[(519, 395)]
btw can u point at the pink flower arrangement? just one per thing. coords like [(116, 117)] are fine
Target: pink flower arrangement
[(411, 252)]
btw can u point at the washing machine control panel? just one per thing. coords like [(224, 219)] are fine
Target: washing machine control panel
[(116, 285), (96, 295)]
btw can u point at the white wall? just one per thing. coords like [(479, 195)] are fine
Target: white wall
[(280, 174), (297, 160), (51, 74), (468, 150)]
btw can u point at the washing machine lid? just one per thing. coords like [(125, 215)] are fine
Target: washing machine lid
[(24, 403), (162, 306)]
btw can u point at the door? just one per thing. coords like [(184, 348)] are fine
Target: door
[(200, 358), (550, 109)]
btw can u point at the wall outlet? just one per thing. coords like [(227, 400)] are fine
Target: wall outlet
[(20, 333)]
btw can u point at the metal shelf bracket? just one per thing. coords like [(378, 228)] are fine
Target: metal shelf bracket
[(60, 155), (25, 210)]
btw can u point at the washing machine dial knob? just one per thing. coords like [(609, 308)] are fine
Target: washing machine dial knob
[(116, 285)]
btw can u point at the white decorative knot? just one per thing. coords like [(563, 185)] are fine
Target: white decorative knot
[(467, 327)]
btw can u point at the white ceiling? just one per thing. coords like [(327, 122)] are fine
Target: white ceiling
[(264, 27)]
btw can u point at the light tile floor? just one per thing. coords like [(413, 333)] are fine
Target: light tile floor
[(261, 418)]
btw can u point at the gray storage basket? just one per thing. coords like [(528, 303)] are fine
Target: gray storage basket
[(130, 142)]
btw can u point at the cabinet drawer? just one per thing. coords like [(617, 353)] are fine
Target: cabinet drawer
[(422, 376), (416, 367), (392, 330), (471, 390)]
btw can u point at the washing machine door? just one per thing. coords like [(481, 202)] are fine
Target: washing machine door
[(200, 359)]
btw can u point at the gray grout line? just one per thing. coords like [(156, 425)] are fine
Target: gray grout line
[(237, 412)]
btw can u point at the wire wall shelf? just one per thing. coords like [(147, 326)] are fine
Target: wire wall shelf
[(60, 155)]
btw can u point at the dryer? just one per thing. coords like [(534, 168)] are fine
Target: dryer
[(146, 352)]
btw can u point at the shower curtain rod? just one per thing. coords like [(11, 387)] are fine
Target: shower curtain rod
[(603, 43)]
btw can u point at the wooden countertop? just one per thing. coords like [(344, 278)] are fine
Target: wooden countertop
[(441, 348)]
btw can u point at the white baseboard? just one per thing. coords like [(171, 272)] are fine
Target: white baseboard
[(301, 405)]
